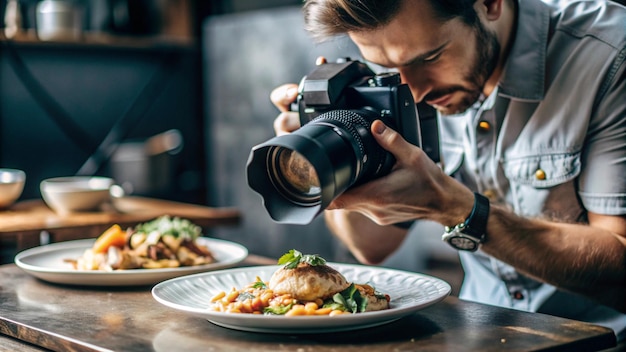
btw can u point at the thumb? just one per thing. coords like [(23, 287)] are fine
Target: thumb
[(389, 139), (284, 95)]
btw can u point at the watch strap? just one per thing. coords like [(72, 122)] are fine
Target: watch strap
[(476, 223)]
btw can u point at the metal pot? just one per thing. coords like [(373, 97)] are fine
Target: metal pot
[(147, 167), (59, 20)]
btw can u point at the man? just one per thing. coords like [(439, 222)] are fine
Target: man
[(532, 103)]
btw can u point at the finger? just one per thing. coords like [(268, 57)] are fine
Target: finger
[(389, 139), (286, 122), (284, 95)]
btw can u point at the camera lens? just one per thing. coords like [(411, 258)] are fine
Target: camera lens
[(299, 174), (294, 176)]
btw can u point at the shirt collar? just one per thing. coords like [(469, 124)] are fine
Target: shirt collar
[(524, 71)]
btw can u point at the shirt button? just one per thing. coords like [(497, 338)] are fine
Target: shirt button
[(490, 194), (540, 174), (484, 126), (518, 295)]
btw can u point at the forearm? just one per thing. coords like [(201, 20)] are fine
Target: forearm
[(587, 259), (368, 242)]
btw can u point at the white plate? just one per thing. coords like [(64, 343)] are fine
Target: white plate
[(409, 293), (46, 262)]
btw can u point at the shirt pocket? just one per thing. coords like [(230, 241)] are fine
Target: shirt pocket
[(543, 171), (544, 185)]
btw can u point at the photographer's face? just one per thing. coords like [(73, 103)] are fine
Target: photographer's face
[(446, 64)]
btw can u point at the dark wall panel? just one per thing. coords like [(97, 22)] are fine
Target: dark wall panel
[(88, 91), (245, 57)]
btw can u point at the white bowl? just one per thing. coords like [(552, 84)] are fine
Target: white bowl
[(76, 193), (11, 186)]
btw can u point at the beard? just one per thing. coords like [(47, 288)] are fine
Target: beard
[(487, 56)]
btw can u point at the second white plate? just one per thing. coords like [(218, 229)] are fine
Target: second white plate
[(409, 293), (47, 263)]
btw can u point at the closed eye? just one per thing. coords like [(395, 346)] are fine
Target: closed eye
[(433, 57)]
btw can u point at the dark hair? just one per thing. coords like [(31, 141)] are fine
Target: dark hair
[(328, 18)]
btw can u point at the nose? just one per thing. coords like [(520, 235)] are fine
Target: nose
[(418, 83)]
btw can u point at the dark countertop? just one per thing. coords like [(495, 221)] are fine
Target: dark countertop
[(128, 319)]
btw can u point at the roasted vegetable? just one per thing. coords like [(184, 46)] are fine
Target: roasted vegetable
[(114, 236)]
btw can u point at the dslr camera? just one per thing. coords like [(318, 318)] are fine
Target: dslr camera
[(300, 173)]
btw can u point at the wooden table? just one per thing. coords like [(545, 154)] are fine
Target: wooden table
[(34, 313), (22, 224)]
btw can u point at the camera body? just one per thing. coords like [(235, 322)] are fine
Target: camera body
[(300, 173), (352, 85)]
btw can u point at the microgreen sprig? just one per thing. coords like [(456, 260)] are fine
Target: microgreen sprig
[(292, 258)]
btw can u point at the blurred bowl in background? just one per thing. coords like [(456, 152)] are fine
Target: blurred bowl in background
[(76, 193), (11, 186)]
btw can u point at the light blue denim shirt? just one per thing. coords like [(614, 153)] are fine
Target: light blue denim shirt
[(549, 143)]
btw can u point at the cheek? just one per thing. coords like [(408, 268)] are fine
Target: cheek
[(414, 77), (444, 70), (418, 80), (460, 58)]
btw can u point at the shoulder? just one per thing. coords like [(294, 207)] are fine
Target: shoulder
[(599, 20)]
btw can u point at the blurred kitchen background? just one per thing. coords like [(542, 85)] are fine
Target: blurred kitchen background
[(167, 97)]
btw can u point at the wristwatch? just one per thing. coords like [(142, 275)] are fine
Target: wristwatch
[(470, 234)]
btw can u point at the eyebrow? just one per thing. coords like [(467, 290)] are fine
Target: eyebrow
[(423, 56)]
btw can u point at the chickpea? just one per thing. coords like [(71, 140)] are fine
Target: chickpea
[(336, 312), (297, 309), (218, 296), (311, 306), (323, 311)]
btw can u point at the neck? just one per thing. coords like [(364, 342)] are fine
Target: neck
[(505, 28)]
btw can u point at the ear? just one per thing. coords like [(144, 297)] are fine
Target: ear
[(492, 9)]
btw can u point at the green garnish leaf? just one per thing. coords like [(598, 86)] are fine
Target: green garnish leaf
[(244, 296), (277, 310), (349, 300), (166, 225), (334, 305), (360, 301), (259, 284), (292, 258)]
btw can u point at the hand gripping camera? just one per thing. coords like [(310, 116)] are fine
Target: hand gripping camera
[(299, 174)]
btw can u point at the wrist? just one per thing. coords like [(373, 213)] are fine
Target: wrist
[(471, 233), (455, 208)]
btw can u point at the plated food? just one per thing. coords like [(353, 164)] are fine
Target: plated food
[(49, 263), (165, 242), (304, 285), (192, 294)]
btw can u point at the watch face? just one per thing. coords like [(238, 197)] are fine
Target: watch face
[(463, 243)]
